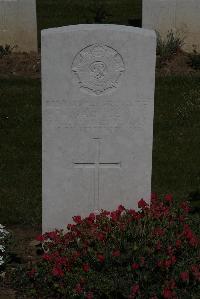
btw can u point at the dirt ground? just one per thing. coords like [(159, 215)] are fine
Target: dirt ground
[(25, 250), (20, 65), (176, 65)]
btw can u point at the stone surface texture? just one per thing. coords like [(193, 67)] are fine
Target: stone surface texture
[(98, 105), (18, 24), (181, 16)]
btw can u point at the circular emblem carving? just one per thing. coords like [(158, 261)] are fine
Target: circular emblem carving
[(98, 69)]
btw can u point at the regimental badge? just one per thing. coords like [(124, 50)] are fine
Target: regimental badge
[(98, 69)]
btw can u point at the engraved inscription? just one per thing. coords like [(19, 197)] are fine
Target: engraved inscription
[(96, 166), (99, 115), (98, 69)]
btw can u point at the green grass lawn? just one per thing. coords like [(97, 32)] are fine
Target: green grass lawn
[(20, 151), (176, 163)]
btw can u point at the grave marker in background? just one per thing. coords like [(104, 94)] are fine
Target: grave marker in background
[(18, 24), (98, 103), (181, 16)]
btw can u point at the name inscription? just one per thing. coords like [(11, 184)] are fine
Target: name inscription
[(93, 115)]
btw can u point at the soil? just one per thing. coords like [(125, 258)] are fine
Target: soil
[(25, 251), (20, 65), (178, 64), (28, 65)]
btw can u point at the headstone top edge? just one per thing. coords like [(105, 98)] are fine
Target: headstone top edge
[(104, 27)]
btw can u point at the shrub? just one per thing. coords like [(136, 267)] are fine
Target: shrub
[(194, 60), (4, 240), (169, 46), (5, 50), (150, 253)]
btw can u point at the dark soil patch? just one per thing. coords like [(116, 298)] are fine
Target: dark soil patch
[(178, 64), (24, 251), (20, 65)]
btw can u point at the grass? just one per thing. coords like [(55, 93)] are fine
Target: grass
[(176, 166), (20, 151), (176, 163)]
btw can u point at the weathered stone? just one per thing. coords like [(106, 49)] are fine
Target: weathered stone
[(180, 16), (98, 102), (18, 24)]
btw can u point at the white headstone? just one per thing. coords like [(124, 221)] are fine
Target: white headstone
[(98, 103), (18, 24), (180, 16)]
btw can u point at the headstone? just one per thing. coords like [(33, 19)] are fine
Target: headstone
[(180, 16), (98, 103), (18, 24)]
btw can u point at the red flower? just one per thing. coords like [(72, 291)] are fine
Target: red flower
[(61, 260), (135, 266), (185, 207), (91, 218), (47, 257), (167, 263), (101, 236), (158, 232), (173, 260), (178, 243), (77, 219), (168, 197), (105, 213), (193, 241), (190, 236), (142, 204), (86, 267), (187, 231), (70, 226), (158, 245), (134, 214), (32, 273), (167, 293), (122, 227), (40, 238), (57, 271), (100, 258), (52, 235), (89, 295), (116, 253), (78, 288), (184, 276), (135, 289), (196, 271), (114, 215), (121, 208)]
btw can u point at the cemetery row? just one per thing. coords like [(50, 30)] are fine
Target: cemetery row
[(18, 21), (97, 148), (98, 86)]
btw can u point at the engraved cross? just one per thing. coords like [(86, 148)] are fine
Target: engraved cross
[(96, 166)]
